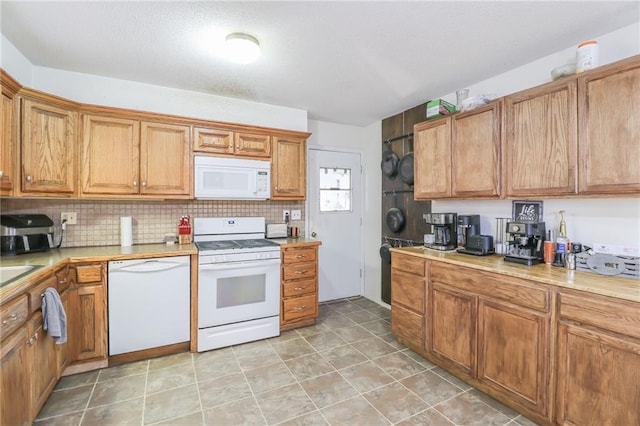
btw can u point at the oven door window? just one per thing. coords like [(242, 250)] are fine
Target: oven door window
[(243, 290)]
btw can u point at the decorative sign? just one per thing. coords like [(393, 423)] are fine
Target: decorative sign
[(526, 211)]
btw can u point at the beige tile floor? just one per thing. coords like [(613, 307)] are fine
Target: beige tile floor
[(348, 369)]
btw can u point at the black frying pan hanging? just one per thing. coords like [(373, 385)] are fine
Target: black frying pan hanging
[(405, 169), (389, 163), (395, 218)]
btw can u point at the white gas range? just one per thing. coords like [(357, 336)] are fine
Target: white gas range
[(238, 282)]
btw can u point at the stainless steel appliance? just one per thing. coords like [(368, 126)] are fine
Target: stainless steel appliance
[(468, 225), (525, 242), (25, 233), (221, 178), (238, 282), (149, 303), (442, 228)]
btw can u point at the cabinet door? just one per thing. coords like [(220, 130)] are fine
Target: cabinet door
[(165, 160), (407, 325), (43, 365), (541, 141), (48, 148), (432, 159), (513, 353), (288, 169), (110, 155), (14, 390), (453, 332), (609, 130), (253, 145), (476, 152), (87, 307), (7, 144), (212, 140), (598, 378)]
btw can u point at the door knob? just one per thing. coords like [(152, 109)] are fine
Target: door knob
[(313, 234)]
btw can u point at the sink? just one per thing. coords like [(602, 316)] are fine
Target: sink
[(12, 273)]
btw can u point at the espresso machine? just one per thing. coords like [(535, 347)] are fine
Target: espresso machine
[(525, 242), (441, 231)]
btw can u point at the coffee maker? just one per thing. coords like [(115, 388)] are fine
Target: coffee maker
[(468, 225), (441, 231), (525, 242)]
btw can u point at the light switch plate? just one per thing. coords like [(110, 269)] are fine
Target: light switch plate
[(296, 214)]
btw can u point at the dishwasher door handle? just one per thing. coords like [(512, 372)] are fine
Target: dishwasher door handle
[(150, 266)]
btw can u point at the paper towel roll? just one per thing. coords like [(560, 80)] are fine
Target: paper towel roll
[(126, 231)]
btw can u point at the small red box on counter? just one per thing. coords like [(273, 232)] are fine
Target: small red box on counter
[(184, 230)]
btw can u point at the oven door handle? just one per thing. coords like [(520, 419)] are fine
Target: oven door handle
[(237, 265)]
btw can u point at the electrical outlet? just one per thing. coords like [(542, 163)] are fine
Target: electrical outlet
[(286, 213), (70, 217), (296, 214)]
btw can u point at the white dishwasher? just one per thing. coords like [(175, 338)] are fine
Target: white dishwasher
[(149, 303)]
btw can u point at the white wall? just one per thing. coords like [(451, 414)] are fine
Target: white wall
[(92, 89), (367, 141)]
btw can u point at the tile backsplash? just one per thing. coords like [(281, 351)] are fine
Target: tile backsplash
[(99, 221)]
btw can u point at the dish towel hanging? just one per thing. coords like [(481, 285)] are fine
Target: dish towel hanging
[(54, 317)]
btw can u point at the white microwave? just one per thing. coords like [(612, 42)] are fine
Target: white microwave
[(220, 178)]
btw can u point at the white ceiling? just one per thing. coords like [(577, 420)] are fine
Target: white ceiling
[(344, 62)]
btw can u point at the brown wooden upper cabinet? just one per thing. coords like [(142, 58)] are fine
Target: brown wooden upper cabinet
[(459, 156), (8, 134), (289, 168), (609, 129), (541, 141), (220, 141), (47, 145), (127, 157)]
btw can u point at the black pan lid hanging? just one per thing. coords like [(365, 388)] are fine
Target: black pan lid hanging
[(389, 164), (395, 219)]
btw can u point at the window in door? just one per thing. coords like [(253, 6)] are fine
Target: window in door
[(335, 189)]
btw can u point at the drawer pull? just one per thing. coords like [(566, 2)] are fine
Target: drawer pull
[(300, 308), (63, 281), (301, 272), (299, 288), (301, 256), (30, 341), (12, 318), (36, 336)]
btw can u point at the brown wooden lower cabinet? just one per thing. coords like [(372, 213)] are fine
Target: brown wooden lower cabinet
[(88, 312), (42, 363), (557, 355), (598, 380), (299, 286), (14, 397), (408, 299)]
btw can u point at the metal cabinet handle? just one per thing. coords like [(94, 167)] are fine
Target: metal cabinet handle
[(301, 256), (144, 183), (63, 281), (299, 288), (36, 336), (28, 178), (301, 272), (30, 341), (12, 318), (1, 173), (135, 183), (238, 146), (300, 308)]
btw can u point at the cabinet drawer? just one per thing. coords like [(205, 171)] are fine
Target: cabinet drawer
[(35, 294), (410, 264), (89, 274), (408, 290), (494, 286), (13, 315), (299, 255), (62, 278), (610, 314), (299, 307), (299, 288), (407, 325), (298, 271)]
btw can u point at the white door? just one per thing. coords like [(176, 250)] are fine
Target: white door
[(335, 218)]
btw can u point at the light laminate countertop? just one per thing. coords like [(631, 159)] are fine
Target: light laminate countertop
[(612, 286)]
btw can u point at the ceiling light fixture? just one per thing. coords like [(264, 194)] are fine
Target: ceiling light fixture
[(242, 48)]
